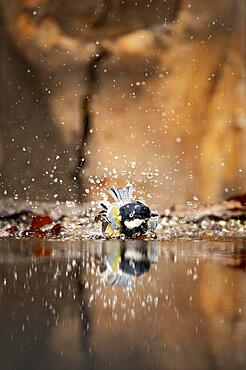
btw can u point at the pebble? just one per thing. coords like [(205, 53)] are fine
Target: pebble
[(81, 224)]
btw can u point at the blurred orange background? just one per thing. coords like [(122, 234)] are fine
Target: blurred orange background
[(102, 93)]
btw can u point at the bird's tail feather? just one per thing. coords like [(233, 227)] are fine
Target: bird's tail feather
[(120, 194)]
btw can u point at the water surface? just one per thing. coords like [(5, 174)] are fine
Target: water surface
[(122, 305)]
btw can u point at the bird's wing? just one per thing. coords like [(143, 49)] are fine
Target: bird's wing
[(153, 221)]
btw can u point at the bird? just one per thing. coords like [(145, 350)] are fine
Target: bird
[(125, 216)]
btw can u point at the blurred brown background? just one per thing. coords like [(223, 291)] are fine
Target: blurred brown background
[(96, 93)]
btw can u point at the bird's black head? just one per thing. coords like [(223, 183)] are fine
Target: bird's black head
[(134, 218)]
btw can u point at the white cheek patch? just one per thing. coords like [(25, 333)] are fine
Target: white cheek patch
[(134, 223)]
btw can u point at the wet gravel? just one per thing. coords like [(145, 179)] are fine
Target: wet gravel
[(78, 222)]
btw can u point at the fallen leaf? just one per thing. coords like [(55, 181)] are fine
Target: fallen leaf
[(12, 230), (56, 229), (40, 221)]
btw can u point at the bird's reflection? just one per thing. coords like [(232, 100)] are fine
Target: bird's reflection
[(77, 301), (123, 261)]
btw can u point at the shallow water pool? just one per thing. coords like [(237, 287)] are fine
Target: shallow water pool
[(122, 305)]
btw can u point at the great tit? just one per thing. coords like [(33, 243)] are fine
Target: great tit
[(125, 216)]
